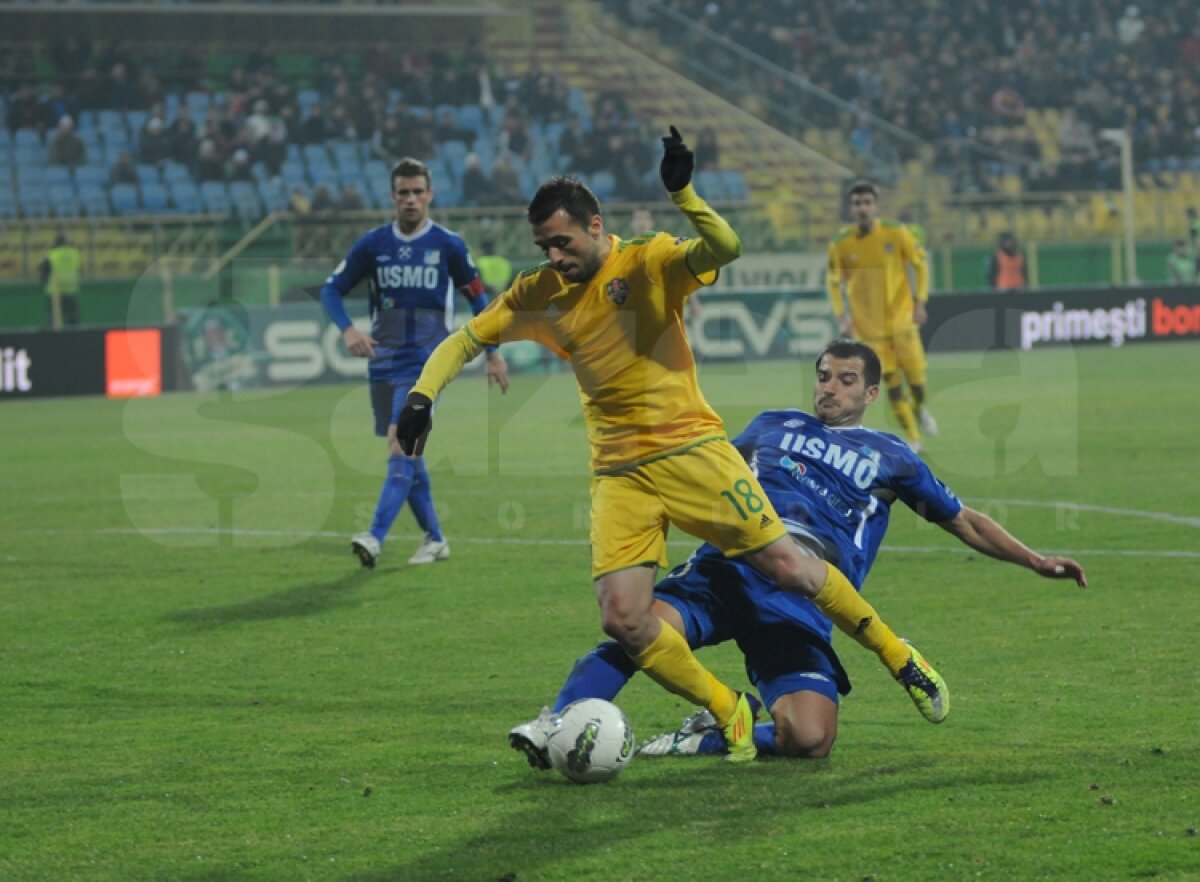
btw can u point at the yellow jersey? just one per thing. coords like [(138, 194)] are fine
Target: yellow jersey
[(873, 267), (624, 335)]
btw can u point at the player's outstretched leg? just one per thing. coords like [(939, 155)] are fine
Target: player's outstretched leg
[(531, 738), (925, 687)]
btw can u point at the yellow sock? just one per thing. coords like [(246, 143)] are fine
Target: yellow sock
[(904, 413), (670, 663), (858, 619)]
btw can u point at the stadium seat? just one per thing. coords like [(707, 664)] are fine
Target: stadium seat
[(603, 184), (124, 199), (185, 197), (27, 137), (175, 171), (109, 121), (63, 200), (94, 200), (147, 173), (155, 199), (56, 174), (215, 197)]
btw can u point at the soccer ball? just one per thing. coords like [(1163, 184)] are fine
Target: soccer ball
[(592, 741)]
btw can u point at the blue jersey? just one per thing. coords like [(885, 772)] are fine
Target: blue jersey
[(833, 489), (412, 281)]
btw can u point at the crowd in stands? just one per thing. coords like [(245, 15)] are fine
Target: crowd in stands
[(965, 74), (255, 140)]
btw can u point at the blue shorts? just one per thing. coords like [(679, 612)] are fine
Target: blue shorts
[(780, 657), (387, 400)]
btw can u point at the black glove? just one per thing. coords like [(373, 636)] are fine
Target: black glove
[(677, 162), (414, 423)]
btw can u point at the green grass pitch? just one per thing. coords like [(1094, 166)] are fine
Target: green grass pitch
[(198, 682)]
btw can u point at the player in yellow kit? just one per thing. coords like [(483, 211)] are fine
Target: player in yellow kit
[(874, 301), (614, 309)]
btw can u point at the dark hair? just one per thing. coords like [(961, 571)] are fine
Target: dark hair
[(411, 168), (862, 186), (872, 369), (567, 193)]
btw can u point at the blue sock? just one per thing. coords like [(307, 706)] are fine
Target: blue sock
[(600, 674), (391, 498), (764, 739), (420, 500)]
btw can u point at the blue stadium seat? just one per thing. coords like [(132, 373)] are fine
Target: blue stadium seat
[(735, 184), (346, 157), (273, 194), (9, 210), (603, 184), (245, 201), (155, 199), (95, 201), (110, 121), (64, 201), (35, 204), (315, 154), (198, 103), (56, 174), (29, 155), (125, 199), (215, 197), (710, 184), (175, 171), (186, 197), (147, 173), (136, 121), (470, 116), (27, 137), (85, 121), (292, 169), (306, 98)]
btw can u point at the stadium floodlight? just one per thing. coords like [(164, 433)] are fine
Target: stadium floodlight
[(1121, 138)]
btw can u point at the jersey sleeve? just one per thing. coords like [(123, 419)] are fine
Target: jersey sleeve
[(462, 268), (913, 252), (517, 314), (925, 494), (356, 266)]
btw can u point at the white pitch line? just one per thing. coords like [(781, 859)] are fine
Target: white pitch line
[(1163, 516), (577, 543)]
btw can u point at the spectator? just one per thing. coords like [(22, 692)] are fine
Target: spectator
[(209, 164), (299, 203), (391, 141), (350, 199), (1181, 264), (124, 170), (1006, 266), (155, 142), (641, 221), (322, 202), (708, 151), (446, 128), (476, 187), (182, 137), (314, 129), (66, 147), (514, 137), (239, 166), (573, 142), (24, 110), (1130, 27), (506, 182)]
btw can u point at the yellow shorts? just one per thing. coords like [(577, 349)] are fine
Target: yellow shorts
[(904, 351), (706, 490)]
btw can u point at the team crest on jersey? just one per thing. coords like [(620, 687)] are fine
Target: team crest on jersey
[(792, 424), (433, 258), (617, 290), (405, 252)]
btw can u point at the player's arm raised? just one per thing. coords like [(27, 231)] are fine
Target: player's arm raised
[(718, 244), (980, 532)]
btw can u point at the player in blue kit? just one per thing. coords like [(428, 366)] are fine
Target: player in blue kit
[(833, 482), (413, 267)]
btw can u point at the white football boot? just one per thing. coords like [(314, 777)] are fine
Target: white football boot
[(367, 548), (430, 551), (684, 741), (531, 738)]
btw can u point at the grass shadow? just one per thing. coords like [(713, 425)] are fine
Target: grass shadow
[(301, 600)]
